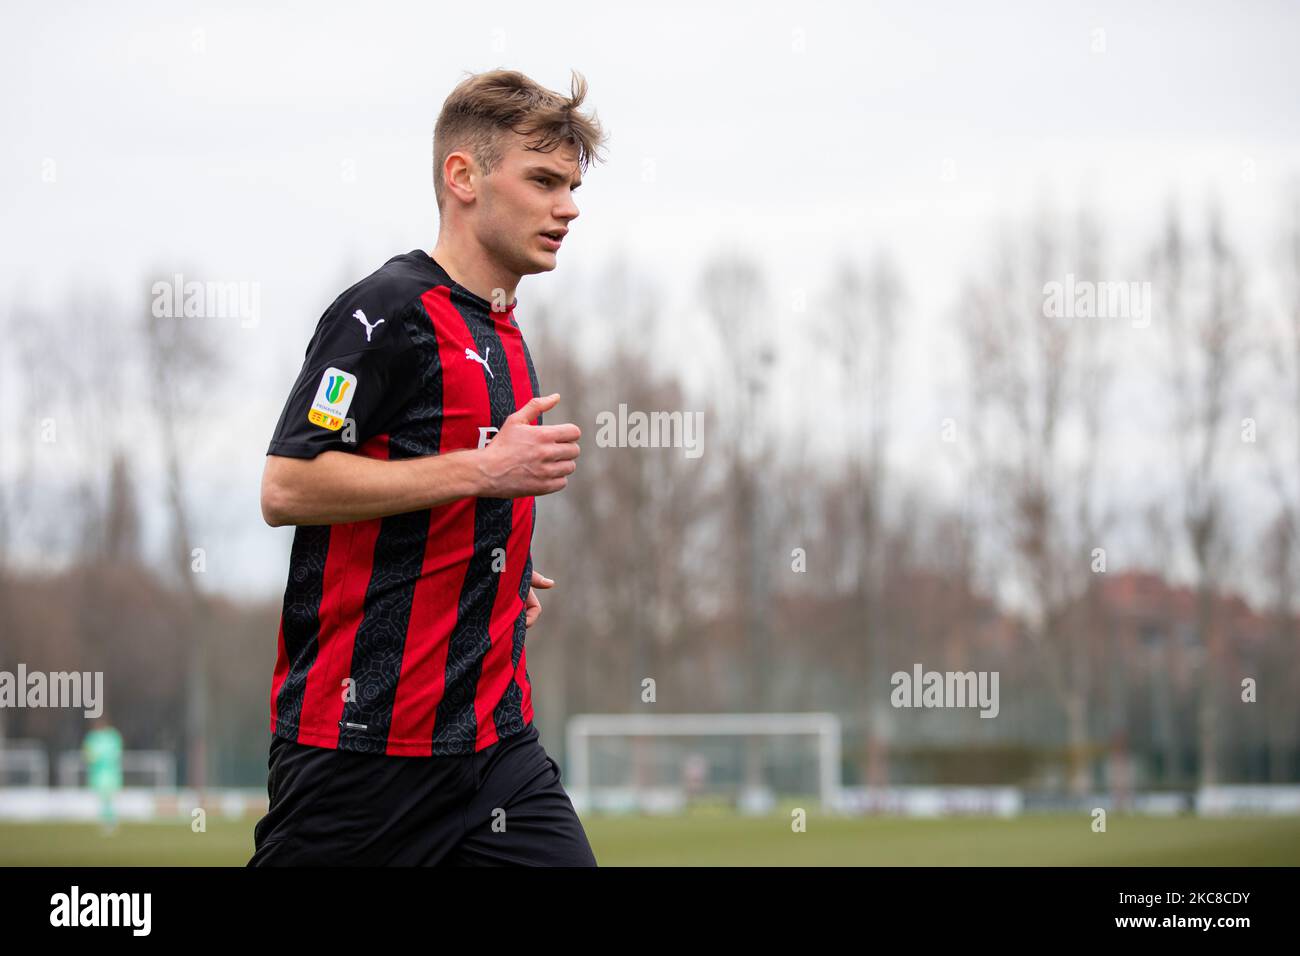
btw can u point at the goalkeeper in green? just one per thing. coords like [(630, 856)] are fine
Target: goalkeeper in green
[(102, 750)]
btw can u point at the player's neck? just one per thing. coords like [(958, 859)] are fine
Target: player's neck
[(476, 271)]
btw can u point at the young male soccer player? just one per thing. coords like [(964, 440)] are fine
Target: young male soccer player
[(407, 456)]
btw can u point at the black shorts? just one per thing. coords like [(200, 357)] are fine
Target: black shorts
[(501, 806)]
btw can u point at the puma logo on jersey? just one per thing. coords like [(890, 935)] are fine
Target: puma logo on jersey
[(471, 354), (361, 317)]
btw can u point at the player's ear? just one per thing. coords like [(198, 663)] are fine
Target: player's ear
[(460, 174)]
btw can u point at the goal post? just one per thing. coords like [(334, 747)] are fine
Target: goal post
[(155, 769), (626, 730), (23, 763)]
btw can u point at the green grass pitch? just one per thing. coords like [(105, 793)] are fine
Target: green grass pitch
[(729, 840)]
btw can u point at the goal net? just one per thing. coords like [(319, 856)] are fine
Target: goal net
[(664, 763)]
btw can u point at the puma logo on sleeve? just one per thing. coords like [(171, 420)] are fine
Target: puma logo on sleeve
[(361, 317)]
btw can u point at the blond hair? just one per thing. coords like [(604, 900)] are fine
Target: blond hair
[(485, 105)]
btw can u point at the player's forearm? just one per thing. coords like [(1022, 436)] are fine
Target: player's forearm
[(337, 487)]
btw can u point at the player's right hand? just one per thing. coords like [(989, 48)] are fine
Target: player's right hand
[(523, 459)]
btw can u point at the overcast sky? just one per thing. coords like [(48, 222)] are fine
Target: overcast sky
[(289, 145)]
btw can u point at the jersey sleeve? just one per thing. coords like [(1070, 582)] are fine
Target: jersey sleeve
[(356, 375)]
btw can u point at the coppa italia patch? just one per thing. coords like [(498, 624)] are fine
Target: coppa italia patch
[(332, 399)]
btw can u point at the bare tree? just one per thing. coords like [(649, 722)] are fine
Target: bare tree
[(734, 295), (1204, 296), (631, 530), (1040, 377), (863, 308), (735, 298), (181, 361), (1283, 464)]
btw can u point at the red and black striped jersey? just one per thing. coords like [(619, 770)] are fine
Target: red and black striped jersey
[(405, 635)]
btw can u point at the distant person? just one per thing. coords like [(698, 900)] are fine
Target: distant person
[(407, 456), (102, 750)]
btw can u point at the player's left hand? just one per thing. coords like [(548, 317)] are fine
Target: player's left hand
[(533, 607)]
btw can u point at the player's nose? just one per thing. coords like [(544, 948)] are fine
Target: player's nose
[(567, 210)]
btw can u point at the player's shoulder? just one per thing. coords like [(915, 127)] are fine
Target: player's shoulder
[(371, 313), (396, 284)]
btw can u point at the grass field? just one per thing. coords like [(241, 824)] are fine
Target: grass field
[(712, 840)]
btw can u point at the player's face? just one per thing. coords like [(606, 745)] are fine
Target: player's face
[(528, 195)]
